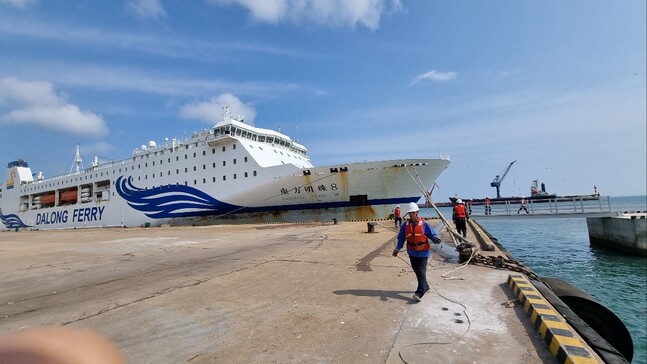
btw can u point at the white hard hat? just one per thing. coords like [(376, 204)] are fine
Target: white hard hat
[(413, 207), (459, 201), (397, 205)]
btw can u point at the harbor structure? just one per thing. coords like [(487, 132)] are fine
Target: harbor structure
[(625, 232), (280, 292)]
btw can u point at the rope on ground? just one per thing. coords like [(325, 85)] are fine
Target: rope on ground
[(469, 326)]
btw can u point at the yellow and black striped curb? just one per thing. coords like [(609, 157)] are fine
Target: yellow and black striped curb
[(563, 342)]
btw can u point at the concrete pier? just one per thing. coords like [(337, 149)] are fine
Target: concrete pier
[(626, 232), (300, 293)]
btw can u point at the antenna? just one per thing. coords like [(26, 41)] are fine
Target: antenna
[(77, 164)]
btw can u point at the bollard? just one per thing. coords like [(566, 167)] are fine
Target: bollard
[(371, 226), (334, 221)]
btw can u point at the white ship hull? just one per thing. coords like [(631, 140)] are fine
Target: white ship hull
[(213, 178)]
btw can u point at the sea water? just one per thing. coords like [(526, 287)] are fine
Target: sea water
[(559, 248)]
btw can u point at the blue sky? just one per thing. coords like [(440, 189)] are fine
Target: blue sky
[(558, 86)]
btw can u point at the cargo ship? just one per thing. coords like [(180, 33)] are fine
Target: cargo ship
[(537, 194), (231, 173)]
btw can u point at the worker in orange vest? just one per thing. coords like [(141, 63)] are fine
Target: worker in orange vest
[(417, 233), (460, 217), (397, 216)]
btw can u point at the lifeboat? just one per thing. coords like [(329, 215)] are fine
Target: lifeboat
[(68, 196), (47, 199)]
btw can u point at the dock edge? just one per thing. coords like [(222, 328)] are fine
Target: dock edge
[(563, 341)]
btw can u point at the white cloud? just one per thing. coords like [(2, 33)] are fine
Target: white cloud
[(37, 103), (334, 13), (211, 110), (146, 9), (21, 4), (435, 76)]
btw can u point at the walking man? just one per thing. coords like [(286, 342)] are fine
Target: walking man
[(523, 205), (417, 232), (488, 209)]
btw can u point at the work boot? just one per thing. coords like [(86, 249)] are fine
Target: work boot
[(416, 297)]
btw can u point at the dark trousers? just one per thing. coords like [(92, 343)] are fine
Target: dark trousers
[(461, 226), (398, 221), (419, 266)]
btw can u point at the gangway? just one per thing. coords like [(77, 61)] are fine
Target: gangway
[(575, 206)]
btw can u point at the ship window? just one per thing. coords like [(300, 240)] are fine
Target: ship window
[(214, 165), (139, 178), (245, 159), (245, 174), (224, 178), (177, 171), (204, 152), (177, 158), (139, 166), (186, 170), (186, 156), (162, 173), (234, 175), (186, 183), (224, 163), (234, 146), (194, 168), (204, 166), (119, 170), (204, 180), (223, 148), (214, 179), (213, 150), (194, 155), (254, 173), (195, 182), (234, 160), (169, 160), (169, 173)]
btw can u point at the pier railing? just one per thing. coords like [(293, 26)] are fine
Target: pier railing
[(573, 205)]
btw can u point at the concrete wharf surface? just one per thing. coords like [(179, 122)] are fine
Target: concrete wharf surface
[(286, 293)]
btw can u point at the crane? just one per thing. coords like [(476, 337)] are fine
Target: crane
[(499, 178)]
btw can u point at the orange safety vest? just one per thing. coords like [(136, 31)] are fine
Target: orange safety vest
[(396, 212), (415, 235), (459, 211)]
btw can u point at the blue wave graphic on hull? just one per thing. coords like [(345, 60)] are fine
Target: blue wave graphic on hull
[(170, 201), (12, 221)]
